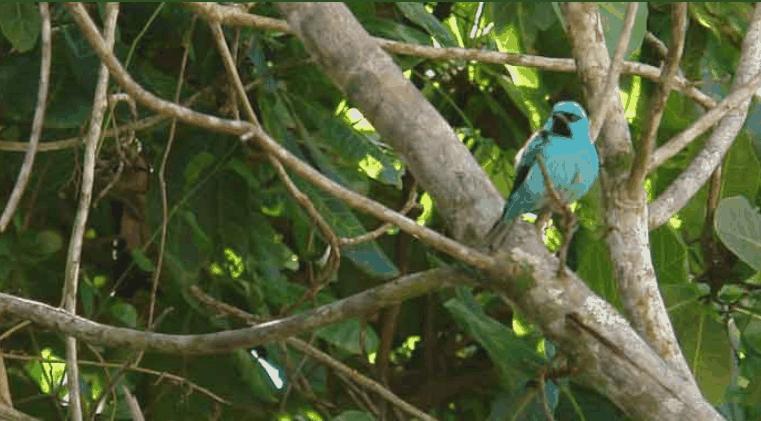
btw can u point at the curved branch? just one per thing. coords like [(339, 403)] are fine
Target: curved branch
[(37, 122), (695, 175), (359, 304)]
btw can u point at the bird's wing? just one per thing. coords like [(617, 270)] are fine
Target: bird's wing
[(527, 158)]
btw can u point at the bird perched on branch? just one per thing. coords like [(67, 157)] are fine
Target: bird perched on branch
[(557, 167)]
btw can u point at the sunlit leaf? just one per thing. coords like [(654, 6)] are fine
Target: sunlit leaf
[(20, 23)]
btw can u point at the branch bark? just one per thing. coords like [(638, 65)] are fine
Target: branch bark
[(37, 121), (658, 102), (696, 174), (74, 255), (625, 211)]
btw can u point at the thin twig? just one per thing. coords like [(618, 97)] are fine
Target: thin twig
[(302, 199), (658, 101), (610, 90), (37, 122), (232, 16), (730, 103), (313, 352), (383, 228), (74, 256), (162, 177), (160, 374)]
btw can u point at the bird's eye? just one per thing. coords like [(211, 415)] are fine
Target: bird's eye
[(572, 118)]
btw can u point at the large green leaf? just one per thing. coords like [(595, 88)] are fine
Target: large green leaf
[(20, 23), (738, 225), (703, 338), (515, 358)]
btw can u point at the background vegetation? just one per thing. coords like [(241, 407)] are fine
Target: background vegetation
[(235, 231)]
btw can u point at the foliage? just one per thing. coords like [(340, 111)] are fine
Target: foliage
[(236, 232)]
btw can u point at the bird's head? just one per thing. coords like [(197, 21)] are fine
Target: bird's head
[(568, 119)]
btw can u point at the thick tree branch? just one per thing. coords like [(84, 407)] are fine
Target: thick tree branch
[(236, 17), (695, 175), (74, 255), (658, 102), (625, 214), (37, 122)]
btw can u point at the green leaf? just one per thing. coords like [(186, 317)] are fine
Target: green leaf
[(669, 255), (125, 313), (416, 13), (594, 265), (142, 261), (741, 171), (353, 415), (703, 338), (20, 23), (738, 225), (612, 15), (347, 336), (516, 360), (196, 166), (48, 242)]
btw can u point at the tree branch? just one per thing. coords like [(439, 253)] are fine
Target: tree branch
[(625, 214), (37, 122), (74, 255), (658, 102), (362, 303), (610, 91), (722, 137), (731, 103)]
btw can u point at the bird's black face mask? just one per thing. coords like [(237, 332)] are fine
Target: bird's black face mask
[(560, 123)]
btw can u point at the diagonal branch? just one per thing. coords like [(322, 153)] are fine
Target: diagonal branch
[(610, 90), (658, 102), (334, 257), (702, 166), (74, 255), (37, 122), (739, 96)]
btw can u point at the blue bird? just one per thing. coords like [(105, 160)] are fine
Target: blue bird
[(564, 146)]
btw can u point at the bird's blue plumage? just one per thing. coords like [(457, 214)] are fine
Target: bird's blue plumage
[(569, 155)]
